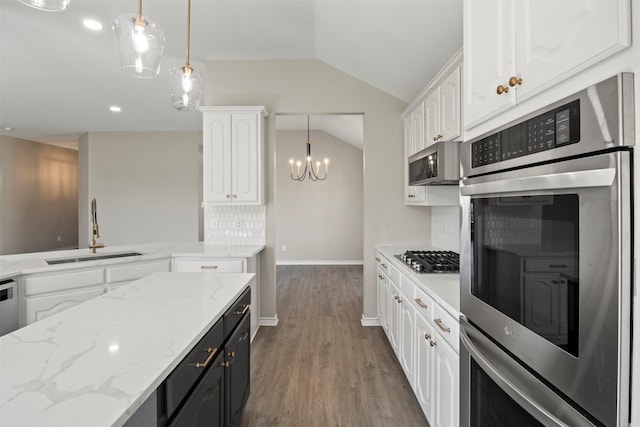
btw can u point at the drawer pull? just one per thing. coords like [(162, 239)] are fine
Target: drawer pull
[(384, 265), (557, 265), (208, 267), (441, 325), (212, 352), (226, 364), (378, 259), (421, 304), (244, 310)]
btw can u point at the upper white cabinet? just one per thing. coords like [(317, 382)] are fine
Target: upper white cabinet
[(233, 155), (514, 49), (434, 115)]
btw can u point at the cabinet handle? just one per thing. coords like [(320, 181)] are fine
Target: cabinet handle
[(437, 137), (384, 265), (514, 81), (225, 364), (244, 310), (399, 300), (235, 195), (557, 266), (232, 354), (228, 196), (427, 337), (421, 304), (212, 352), (208, 267), (378, 259), (396, 297), (433, 343), (410, 195), (502, 89), (441, 325)]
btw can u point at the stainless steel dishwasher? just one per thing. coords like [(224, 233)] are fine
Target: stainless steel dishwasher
[(8, 306)]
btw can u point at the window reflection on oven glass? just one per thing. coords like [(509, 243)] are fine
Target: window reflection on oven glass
[(525, 262)]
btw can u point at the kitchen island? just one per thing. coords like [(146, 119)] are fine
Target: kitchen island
[(96, 363)]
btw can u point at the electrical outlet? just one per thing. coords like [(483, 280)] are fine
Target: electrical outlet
[(238, 224), (59, 238), (284, 248)]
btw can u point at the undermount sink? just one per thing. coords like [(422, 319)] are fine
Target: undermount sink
[(92, 257)]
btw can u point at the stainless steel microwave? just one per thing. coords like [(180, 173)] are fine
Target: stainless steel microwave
[(438, 164)]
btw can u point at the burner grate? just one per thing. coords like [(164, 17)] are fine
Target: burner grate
[(432, 261)]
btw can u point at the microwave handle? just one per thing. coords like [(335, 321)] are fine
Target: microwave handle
[(554, 181), (525, 400)]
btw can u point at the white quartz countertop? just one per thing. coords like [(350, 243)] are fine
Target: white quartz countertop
[(443, 287), (96, 363), (36, 262)]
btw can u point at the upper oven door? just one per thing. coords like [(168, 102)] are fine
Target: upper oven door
[(546, 272)]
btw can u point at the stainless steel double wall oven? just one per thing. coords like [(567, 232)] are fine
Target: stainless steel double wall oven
[(546, 265)]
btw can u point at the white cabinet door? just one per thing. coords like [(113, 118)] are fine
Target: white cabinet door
[(556, 39), (489, 46), (412, 194), (425, 370), (38, 308), (449, 106), (233, 153), (446, 392), (244, 157), (216, 149), (395, 318), (407, 342), (418, 128), (383, 291), (432, 117)]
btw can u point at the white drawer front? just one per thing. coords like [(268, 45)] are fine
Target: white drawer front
[(127, 273), (211, 265), (394, 274), (59, 282), (39, 308), (447, 326)]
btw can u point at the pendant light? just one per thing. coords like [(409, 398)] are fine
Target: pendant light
[(140, 42), (309, 171), (186, 82), (47, 5)]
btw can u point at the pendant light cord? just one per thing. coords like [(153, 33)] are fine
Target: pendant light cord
[(139, 8), (188, 31)]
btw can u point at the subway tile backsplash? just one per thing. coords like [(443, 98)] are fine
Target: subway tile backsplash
[(445, 227), (234, 225)]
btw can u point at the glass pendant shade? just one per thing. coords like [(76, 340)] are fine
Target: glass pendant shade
[(47, 5), (140, 43), (187, 86)]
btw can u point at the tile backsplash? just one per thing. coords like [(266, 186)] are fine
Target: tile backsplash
[(234, 225), (445, 227)]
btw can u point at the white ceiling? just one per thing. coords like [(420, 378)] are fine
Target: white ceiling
[(57, 79), (348, 128)]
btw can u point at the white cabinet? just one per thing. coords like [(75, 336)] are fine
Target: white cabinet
[(407, 340), (446, 375), (434, 115), (423, 386), (233, 155), (383, 300), (515, 49)]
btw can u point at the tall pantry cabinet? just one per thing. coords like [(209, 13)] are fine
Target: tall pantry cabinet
[(233, 150)]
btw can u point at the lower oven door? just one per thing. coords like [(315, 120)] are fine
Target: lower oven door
[(545, 270), (495, 390)]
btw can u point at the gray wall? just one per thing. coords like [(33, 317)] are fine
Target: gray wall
[(38, 197), (311, 86), (319, 222), (147, 186)]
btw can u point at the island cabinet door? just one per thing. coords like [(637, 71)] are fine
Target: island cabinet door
[(205, 406), (238, 371)]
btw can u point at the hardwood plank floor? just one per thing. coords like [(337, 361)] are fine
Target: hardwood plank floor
[(320, 366)]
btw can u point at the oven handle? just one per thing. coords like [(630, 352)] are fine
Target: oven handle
[(554, 181), (524, 400)]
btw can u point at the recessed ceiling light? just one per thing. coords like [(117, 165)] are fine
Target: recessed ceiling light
[(92, 24), (115, 108), (8, 128)]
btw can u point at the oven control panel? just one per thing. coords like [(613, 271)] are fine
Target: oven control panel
[(555, 128)]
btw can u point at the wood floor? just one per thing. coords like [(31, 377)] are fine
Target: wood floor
[(319, 366)]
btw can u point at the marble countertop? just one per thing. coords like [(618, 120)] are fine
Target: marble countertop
[(444, 288), (96, 363), (18, 264)]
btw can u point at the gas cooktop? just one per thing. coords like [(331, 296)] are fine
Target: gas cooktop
[(431, 261)]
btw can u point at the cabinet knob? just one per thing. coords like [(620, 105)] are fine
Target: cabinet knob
[(433, 343), (232, 354), (513, 81), (437, 137), (502, 89), (235, 195), (427, 337), (228, 196)]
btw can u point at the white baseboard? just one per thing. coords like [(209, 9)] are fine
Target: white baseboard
[(322, 262), (370, 321), (269, 321), (255, 333)]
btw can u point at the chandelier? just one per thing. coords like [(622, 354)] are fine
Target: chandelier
[(309, 171), (186, 82)]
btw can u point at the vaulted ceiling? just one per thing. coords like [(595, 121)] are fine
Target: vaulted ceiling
[(58, 79)]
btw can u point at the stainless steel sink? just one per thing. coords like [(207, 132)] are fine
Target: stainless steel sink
[(92, 257)]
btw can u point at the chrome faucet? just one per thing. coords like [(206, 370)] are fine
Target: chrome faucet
[(95, 231)]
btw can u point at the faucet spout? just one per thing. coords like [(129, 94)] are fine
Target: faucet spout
[(95, 230)]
